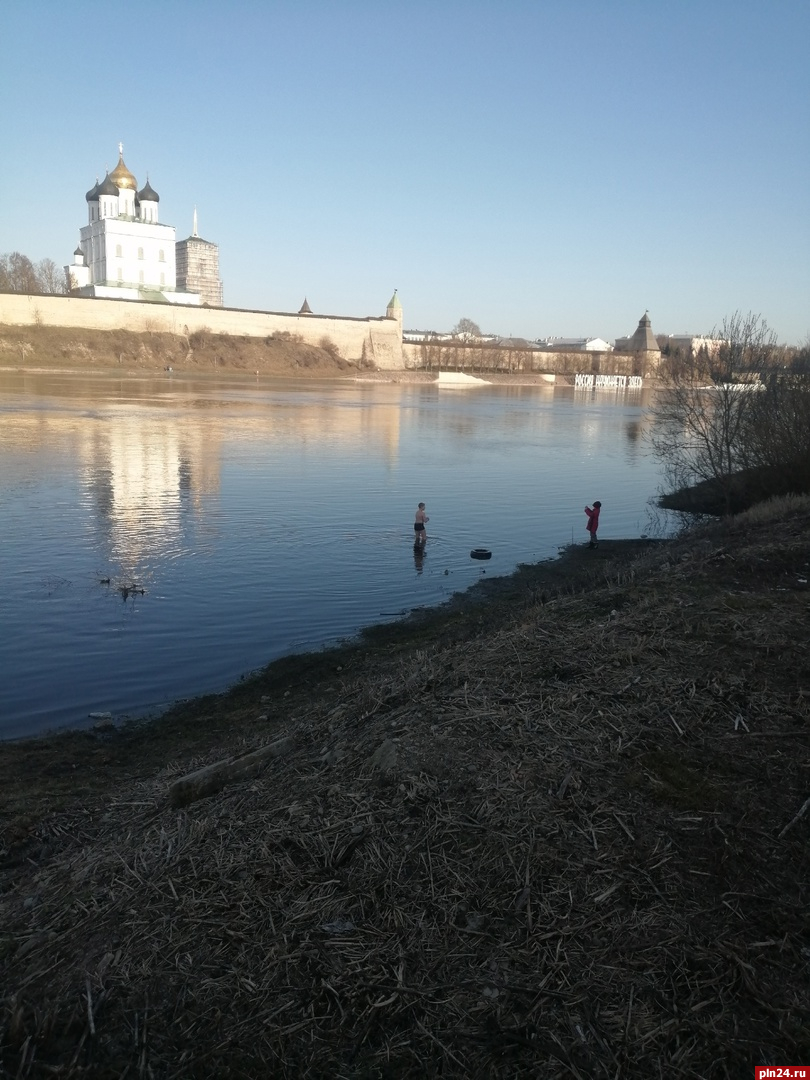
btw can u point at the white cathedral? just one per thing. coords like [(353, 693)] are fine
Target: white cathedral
[(124, 252)]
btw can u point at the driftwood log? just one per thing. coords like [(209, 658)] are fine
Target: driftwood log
[(213, 778)]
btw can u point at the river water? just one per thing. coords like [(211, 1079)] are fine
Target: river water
[(164, 535)]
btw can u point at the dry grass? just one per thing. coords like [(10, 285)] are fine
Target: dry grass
[(784, 506), (36, 348), (567, 845)]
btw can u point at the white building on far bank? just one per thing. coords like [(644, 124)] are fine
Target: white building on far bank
[(692, 344), (560, 344), (124, 252)]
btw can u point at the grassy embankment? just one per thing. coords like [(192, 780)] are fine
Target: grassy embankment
[(59, 348), (554, 829)]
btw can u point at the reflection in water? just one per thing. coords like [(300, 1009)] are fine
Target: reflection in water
[(231, 503), (147, 479), (419, 557)]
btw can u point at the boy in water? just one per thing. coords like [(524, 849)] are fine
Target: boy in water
[(593, 522), (419, 534)]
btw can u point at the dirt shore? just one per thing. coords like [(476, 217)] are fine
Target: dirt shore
[(557, 828)]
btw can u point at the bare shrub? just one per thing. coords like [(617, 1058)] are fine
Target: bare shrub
[(330, 347), (366, 361), (285, 335), (199, 338)]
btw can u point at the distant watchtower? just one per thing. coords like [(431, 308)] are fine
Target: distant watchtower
[(394, 309), (642, 344)]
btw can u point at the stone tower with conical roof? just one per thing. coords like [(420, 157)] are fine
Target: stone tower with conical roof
[(642, 343), (394, 309)]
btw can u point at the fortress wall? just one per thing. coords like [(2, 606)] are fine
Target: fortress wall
[(443, 356), (438, 356), (376, 341)]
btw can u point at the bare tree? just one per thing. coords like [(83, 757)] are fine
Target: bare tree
[(467, 329), (51, 278), (19, 275), (703, 415), (776, 442)]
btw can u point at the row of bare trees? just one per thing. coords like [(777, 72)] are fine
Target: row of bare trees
[(733, 425), (19, 275), (461, 355)]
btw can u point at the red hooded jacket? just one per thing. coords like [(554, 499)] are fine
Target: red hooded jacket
[(593, 519)]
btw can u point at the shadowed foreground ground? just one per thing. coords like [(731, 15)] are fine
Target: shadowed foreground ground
[(554, 830)]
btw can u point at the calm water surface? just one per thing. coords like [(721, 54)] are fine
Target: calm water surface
[(265, 518)]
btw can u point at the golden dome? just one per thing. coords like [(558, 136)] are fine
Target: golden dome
[(121, 176)]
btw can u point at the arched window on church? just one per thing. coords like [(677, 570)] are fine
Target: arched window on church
[(140, 253), (118, 251), (162, 279), (161, 257)]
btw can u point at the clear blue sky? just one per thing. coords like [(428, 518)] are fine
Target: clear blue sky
[(543, 167)]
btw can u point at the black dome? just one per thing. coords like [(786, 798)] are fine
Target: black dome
[(148, 194), (106, 187)]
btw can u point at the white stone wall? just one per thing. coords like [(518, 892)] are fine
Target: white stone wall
[(125, 292), (375, 341)]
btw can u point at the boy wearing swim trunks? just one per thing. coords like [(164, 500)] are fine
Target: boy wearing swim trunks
[(419, 534)]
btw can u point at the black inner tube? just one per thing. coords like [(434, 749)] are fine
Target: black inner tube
[(480, 553)]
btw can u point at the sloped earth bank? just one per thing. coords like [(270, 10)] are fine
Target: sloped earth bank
[(43, 348), (554, 830)]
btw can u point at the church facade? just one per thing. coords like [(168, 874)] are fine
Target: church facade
[(126, 253)]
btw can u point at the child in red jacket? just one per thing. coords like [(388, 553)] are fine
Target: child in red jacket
[(593, 522)]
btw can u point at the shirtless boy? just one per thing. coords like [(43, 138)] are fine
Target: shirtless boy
[(419, 534)]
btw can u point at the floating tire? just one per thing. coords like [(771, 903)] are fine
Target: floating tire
[(480, 553)]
